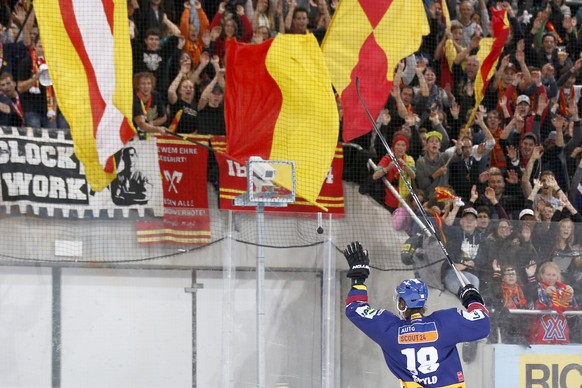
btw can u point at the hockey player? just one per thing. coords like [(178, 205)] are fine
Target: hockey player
[(420, 350)]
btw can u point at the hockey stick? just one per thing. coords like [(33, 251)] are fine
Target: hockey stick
[(462, 279)]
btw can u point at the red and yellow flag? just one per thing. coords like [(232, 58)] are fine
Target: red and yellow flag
[(366, 39), (446, 14), (279, 105), (88, 52), (490, 50)]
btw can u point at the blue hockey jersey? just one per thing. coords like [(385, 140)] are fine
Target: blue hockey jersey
[(421, 351)]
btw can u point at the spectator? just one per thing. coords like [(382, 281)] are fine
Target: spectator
[(483, 220), (11, 21), (189, 70), (470, 28), (183, 114), (435, 98), (14, 53), (449, 46), (155, 57), (431, 168), (264, 16), (555, 295), (559, 164), (227, 26), (508, 294), (465, 167), (194, 44), (297, 20), (568, 91), (549, 188), (387, 168), (401, 219), (518, 159), (466, 160), (508, 78), (499, 246), (261, 34), (463, 244), (437, 30), (496, 156), (526, 254), (563, 252), (11, 113), (39, 102), (464, 80), (211, 108), (149, 111), (152, 15), (502, 199), (524, 105), (547, 53)]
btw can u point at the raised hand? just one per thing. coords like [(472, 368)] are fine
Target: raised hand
[(358, 261), (490, 195), (537, 152), (455, 110), (531, 268), (512, 177), (511, 152)]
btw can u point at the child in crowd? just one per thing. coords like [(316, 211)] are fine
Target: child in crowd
[(552, 294), (509, 294)]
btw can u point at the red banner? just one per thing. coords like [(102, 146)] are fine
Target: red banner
[(186, 221), (233, 182)]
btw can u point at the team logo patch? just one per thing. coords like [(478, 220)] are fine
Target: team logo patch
[(554, 328), (474, 315), (366, 312), (418, 333)]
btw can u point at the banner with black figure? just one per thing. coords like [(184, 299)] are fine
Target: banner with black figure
[(39, 171)]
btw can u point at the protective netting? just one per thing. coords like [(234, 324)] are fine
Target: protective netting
[(84, 253)]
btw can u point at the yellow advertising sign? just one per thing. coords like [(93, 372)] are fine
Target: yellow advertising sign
[(550, 370)]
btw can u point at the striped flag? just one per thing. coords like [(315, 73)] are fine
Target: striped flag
[(88, 52), (490, 50), (279, 105), (366, 39)]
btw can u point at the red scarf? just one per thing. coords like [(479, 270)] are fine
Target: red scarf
[(561, 298), (497, 156), (18, 108), (513, 297), (50, 94), (145, 108)]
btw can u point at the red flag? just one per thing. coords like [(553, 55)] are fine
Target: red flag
[(279, 105), (186, 220), (490, 50), (366, 39)]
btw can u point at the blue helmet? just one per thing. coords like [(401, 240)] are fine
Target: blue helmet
[(414, 293)]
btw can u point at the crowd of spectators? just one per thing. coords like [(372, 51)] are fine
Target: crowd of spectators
[(514, 170), (516, 166)]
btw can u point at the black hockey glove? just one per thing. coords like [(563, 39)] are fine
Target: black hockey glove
[(358, 261), (469, 294)]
